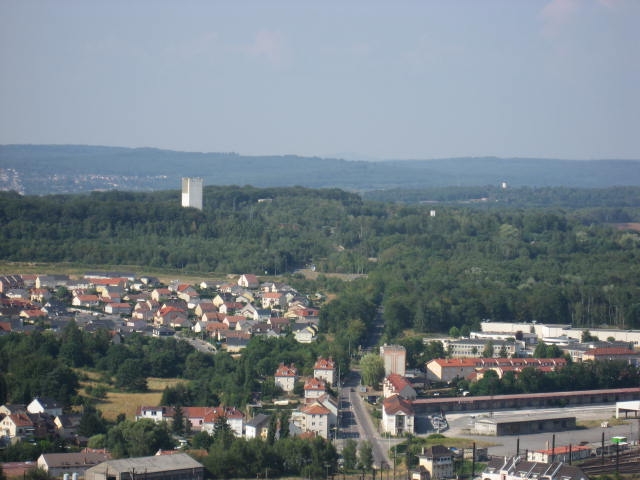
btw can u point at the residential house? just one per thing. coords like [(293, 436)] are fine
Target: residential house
[(205, 307), (517, 468), (279, 323), (245, 297), (272, 300), (222, 297), (205, 418), (395, 384), (233, 416), (315, 419), (58, 464), (248, 281), (304, 315), (217, 330), (9, 408), (109, 286), (237, 341), (286, 377), (167, 315), (17, 425), (230, 308), (325, 369), (143, 311), (314, 388), (86, 301), (435, 462), (306, 333), (331, 404), (257, 427), (157, 414), (250, 311), (157, 467), (187, 293), (245, 325), (266, 330), (231, 321), (117, 308), (45, 405), (67, 425), (112, 293), (213, 317), (397, 416), (159, 294)]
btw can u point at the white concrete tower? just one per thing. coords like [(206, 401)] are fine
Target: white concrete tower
[(192, 192)]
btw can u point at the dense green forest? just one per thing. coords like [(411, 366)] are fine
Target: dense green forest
[(46, 364), (427, 272)]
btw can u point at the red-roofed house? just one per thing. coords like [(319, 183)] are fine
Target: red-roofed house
[(17, 425), (325, 369), (205, 418), (395, 384), (168, 315), (87, 301), (286, 376), (187, 293), (397, 416), (315, 419), (314, 388), (272, 299), (234, 417)]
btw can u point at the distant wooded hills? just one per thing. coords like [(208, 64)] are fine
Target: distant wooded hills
[(46, 169)]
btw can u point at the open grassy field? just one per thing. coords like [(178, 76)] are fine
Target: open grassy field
[(120, 402)]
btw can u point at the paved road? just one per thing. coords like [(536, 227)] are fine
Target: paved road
[(356, 422)]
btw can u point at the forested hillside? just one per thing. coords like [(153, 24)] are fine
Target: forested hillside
[(47, 169), (428, 272)]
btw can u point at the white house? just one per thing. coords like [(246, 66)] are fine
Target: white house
[(286, 376), (257, 427), (396, 384), (397, 416), (314, 388), (45, 405), (315, 419), (325, 369)]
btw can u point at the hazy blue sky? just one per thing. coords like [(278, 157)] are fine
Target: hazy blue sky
[(363, 79)]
